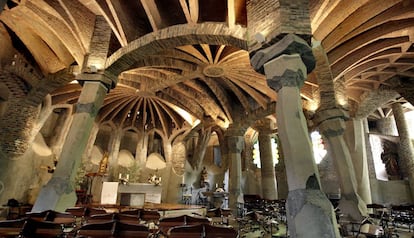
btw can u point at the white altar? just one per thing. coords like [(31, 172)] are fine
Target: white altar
[(131, 194), (138, 191)]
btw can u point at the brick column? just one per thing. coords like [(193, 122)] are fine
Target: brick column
[(59, 194), (286, 63), (405, 151)]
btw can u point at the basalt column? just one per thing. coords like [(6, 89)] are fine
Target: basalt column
[(269, 188), (310, 213), (330, 119), (234, 139), (405, 147), (355, 138), (332, 126)]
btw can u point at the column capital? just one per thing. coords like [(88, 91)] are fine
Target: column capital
[(289, 44), (265, 126), (331, 113), (234, 144), (332, 127), (105, 78), (285, 71)]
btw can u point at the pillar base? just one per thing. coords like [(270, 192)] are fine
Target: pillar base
[(55, 195), (352, 208), (310, 214)]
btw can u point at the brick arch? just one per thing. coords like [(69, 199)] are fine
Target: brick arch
[(174, 36)]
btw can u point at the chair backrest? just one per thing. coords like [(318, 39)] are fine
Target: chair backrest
[(165, 223), (127, 218), (38, 216), (219, 232), (99, 218), (186, 231), (131, 230), (97, 230), (77, 211), (35, 228), (94, 211), (150, 215), (60, 217), (11, 228), (135, 212), (193, 220)]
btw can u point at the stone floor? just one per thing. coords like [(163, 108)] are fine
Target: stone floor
[(402, 232)]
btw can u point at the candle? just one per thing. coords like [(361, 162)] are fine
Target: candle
[(120, 175), (127, 176)]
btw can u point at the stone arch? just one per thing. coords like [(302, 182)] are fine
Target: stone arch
[(177, 35)]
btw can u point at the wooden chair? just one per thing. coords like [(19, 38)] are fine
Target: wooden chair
[(77, 211), (126, 218), (194, 220), (128, 230), (41, 229), (135, 212), (11, 228), (369, 230), (166, 223), (99, 218), (219, 232), (150, 216), (38, 216), (96, 230), (95, 211), (194, 231)]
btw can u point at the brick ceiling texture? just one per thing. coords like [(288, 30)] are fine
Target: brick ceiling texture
[(175, 55)]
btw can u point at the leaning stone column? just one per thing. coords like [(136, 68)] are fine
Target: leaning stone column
[(59, 194), (269, 188), (310, 213), (355, 138), (331, 123), (405, 147), (234, 139)]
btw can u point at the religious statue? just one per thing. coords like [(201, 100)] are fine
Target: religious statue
[(103, 165)]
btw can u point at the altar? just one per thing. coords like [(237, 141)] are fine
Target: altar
[(131, 194)]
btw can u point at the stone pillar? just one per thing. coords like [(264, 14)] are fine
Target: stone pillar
[(59, 193), (332, 126), (234, 139), (269, 188), (355, 138), (281, 177), (405, 151), (286, 63)]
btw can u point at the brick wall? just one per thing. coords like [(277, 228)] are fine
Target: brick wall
[(277, 17)]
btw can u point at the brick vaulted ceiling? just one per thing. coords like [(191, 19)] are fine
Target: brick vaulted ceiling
[(190, 55)]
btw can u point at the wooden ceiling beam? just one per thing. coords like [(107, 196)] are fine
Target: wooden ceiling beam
[(153, 14), (352, 59), (354, 20)]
